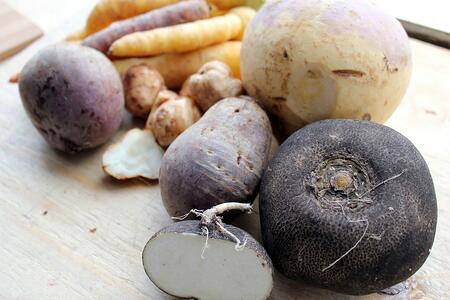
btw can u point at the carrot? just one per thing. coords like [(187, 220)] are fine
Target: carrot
[(184, 37), (14, 78), (176, 68), (227, 4), (108, 11), (182, 12), (215, 12), (76, 36)]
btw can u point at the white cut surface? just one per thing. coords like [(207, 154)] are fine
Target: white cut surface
[(174, 264), (137, 155)]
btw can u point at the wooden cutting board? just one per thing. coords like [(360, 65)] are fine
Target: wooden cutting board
[(70, 232), (16, 31)]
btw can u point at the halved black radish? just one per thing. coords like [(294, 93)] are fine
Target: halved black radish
[(208, 260)]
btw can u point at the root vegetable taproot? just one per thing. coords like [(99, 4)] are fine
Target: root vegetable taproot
[(361, 201), (176, 68), (184, 37), (108, 11), (219, 159), (182, 12)]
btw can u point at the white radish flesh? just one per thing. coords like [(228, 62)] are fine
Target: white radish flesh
[(173, 261)]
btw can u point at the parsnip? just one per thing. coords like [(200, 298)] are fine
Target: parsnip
[(184, 37), (176, 68)]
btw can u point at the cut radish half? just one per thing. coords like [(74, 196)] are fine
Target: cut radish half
[(176, 260)]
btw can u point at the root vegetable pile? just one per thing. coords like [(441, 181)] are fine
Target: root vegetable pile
[(344, 205)]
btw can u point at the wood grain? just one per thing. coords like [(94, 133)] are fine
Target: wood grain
[(16, 31), (70, 232)]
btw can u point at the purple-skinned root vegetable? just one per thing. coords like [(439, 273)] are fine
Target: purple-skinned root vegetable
[(209, 260), (348, 206), (219, 159), (311, 60), (73, 96)]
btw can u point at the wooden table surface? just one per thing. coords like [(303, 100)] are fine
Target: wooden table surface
[(70, 232)]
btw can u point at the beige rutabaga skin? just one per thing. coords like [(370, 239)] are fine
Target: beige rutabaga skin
[(176, 68), (184, 37), (311, 60)]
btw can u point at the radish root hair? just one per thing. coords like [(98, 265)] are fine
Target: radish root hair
[(205, 231), (211, 217), (351, 249)]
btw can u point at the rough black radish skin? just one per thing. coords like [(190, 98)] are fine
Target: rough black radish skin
[(348, 206)]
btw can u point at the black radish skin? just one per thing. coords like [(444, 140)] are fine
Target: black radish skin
[(349, 206)]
